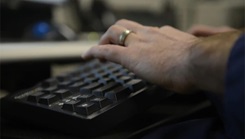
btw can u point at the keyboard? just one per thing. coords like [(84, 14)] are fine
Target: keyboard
[(93, 98)]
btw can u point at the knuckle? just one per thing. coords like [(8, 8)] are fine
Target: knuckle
[(112, 28), (152, 29), (166, 27), (121, 21)]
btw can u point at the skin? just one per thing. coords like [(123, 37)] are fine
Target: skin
[(168, 57), (205, 31)]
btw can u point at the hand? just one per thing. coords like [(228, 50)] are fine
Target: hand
[(158, 55), (204, 30)]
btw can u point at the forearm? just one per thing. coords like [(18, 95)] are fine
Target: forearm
[(208, 60)]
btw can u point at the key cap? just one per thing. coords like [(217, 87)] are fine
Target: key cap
[(124, 79), (75, 88), (101, 101), (49, 82), (107, 67), (63, 78), (50, 89), (102, 75), (62, 93), (74, 74), (114, 70), (99, 92), (48, 99), (97, 71), (70, 105), (115, 76), (76, 79), (105, 81), (132, 75), (34, 97), (118, 93), (86, 75), (86, 108), (124, 72), (135, 84), (91, 80), (64, 84), (89, 88), (94, 65), (85, 97)]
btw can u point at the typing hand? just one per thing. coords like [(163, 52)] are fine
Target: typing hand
[(159, 55)]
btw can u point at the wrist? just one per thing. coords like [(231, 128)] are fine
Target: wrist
[(208, 60)]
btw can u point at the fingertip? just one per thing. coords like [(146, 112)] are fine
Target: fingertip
[(84, 55), (87, 55)]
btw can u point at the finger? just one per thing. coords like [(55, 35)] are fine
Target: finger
[(112, 36), (135, 27), (112, 53)]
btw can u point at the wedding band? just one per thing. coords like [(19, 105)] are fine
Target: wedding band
[(123, 37)]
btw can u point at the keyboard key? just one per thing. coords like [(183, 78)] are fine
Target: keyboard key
[(91, 80), (124, 79), (70, 105), (115, 76), (34, 97), (74, 74), (94, 65), (86, 75), (77, 79), (50, 89), (105, 81), (48, 99), (101, 101), (102, 75), (118, 93), (124, 72), (132, 75), (97, 71), (86, 108), (114, 70), (65, 84), (85, 97), (135, 84), (89, 88), (63, 78), (76, 86), (49, 82), (63, 93), (100, 92)]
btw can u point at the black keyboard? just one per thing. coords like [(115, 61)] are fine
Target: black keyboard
[(91, 99)]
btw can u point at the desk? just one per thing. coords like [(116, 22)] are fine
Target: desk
[(17, 52)]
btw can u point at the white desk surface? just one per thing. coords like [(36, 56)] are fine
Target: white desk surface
[(10, 52)]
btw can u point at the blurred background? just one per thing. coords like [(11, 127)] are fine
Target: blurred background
[(26, 24), (55, 20)]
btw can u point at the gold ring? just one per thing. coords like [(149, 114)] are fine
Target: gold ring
[(123, 37)]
